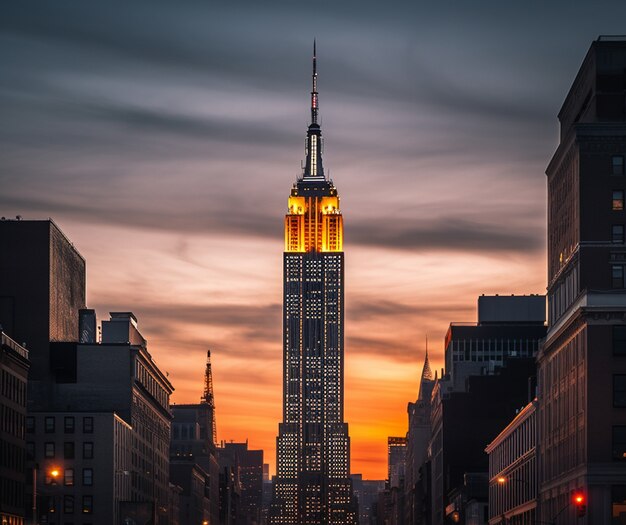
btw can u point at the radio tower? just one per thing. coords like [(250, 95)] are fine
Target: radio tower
[(208, 396)]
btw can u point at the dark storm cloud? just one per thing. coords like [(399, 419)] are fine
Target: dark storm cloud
[(366, 310), (449, 234)]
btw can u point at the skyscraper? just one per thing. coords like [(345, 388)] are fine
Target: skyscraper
[(581, 414), (313, 484)]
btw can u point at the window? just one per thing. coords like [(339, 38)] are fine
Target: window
[(49, 450), (88, 425), (69, 424), (619, 390), (30, 424), (68, 504), (618, 200), (87, 477), (68, 450), (87, 504), (50, 506), (49, 427), (619, 339), (88, 447), (619, 442), (618, 500), (617, 165), (617, 276), (68, 479), (617, 233)]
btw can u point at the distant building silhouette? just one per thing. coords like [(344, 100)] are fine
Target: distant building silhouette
[(312, 484), (417, 481), (193, 456), (249, 472), (582, 365)]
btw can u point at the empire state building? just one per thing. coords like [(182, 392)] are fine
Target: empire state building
[(312, 485)]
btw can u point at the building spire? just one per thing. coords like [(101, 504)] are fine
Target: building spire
[(208, 396), (314, 101), (427, 373), (313, 168)]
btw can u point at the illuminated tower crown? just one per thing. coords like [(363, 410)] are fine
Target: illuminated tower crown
[(313, 221)]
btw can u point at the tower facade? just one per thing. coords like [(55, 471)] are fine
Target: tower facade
[(581, 414), (313, 484)]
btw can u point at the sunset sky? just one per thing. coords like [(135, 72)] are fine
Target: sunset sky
[(164, 137)]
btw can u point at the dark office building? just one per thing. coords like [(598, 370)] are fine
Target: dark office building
[(13, 376), (490, 371), (105, 431), (249, 465), (42, 288), (582, 365)]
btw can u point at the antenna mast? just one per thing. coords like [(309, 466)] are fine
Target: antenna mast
[(208, 396)]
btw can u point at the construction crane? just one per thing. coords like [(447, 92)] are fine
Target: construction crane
[(208, 396)]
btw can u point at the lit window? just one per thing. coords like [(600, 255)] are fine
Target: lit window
[(68, 478), (618, 200), (87, 504), (617, 165)]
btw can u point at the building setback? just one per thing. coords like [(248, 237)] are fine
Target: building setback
[(582, 365), (14, 365), (313, 483)]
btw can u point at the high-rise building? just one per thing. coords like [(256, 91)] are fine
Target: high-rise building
[(416, 483), (396, 457), (42, 288), (582, 365), (313, 448)]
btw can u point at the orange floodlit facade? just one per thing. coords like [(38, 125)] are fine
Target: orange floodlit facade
[(313, 224)]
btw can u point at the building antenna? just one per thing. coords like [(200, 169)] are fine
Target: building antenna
[(208, 397), (314, 100)]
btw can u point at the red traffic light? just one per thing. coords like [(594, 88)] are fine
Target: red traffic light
[(581, 503)]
